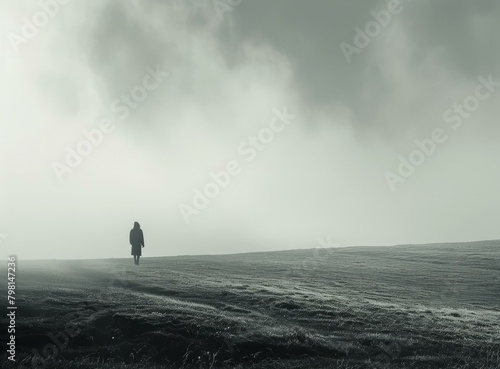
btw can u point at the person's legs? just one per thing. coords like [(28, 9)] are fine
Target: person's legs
[(135, 259), (138, 256)]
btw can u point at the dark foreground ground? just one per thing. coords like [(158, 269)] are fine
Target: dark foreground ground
[(433, 306)]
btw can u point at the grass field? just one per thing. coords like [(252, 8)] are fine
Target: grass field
[(428, 306)]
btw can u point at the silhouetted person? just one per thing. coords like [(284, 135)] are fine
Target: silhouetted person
[(136, 240)]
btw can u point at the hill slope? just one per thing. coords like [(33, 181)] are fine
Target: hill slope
[(429, 306)]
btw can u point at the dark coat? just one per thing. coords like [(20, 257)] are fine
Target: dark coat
[(136, 240)]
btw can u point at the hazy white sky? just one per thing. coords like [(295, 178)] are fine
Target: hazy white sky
[(230, 66)]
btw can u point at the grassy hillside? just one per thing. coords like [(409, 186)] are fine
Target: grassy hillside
[(429, 306)]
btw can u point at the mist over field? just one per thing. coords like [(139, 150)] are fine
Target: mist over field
[(423, 306), (300, 184)]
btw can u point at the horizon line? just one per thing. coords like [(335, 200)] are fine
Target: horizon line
[(276, 251)]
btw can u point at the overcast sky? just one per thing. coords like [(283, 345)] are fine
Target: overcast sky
[(357, 82)]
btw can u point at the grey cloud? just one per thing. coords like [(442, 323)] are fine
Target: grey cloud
[(121, 45), (309, 34), (461, 31)]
